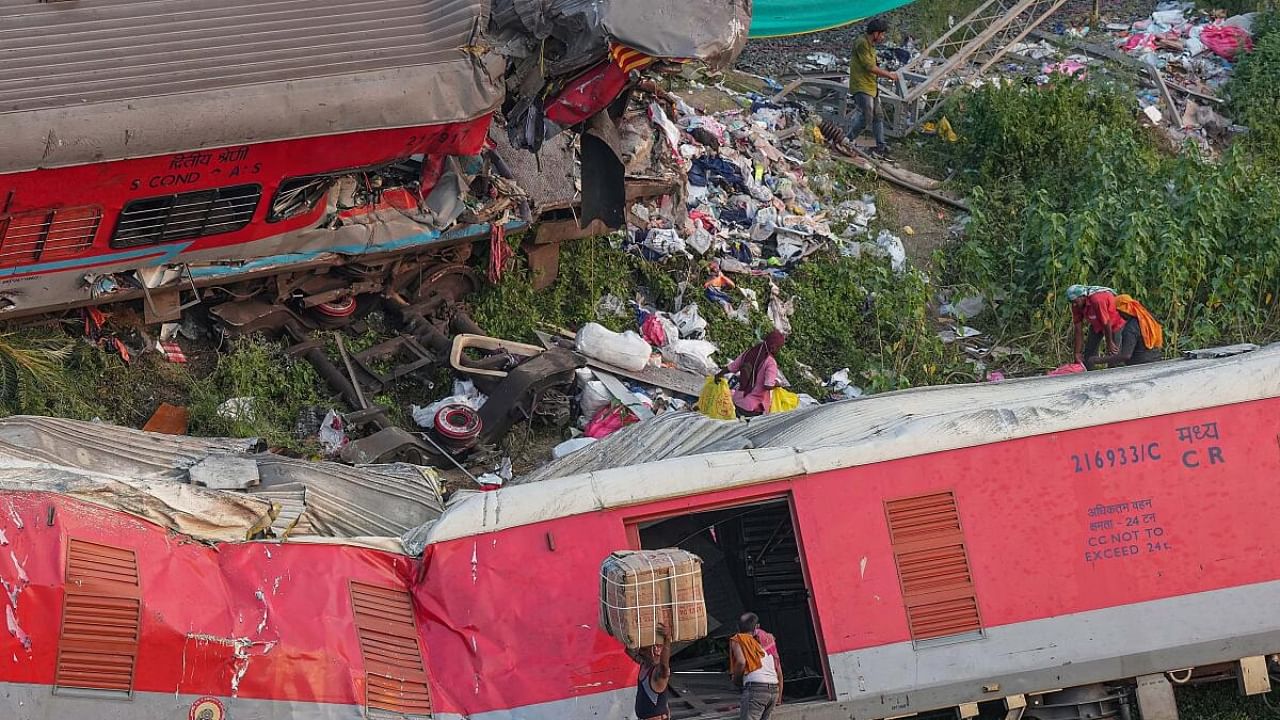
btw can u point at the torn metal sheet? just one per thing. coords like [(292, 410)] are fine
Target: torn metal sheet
[(151, 475), (111, 449), (344, 501), (207, 515), (713, 31), (549, 177), (244, 630), (923, 420)]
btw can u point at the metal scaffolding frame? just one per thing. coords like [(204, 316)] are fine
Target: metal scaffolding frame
[(963, 54)]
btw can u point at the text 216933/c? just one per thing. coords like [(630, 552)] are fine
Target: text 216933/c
[(1113, 457)]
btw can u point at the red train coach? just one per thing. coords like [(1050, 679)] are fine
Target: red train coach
[(1047, 548), (299, 151), (147, 148)]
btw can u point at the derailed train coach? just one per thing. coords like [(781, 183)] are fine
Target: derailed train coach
[(298, 154), (1047, 548)]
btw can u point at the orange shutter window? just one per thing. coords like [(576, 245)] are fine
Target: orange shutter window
[(933, 566), (101, 618), (22, 238), (71, 231), (395, 677)]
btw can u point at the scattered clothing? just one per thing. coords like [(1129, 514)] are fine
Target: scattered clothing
[(710, 169), (1226, 41)]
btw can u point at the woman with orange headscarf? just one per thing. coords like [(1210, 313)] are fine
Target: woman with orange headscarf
[(1131, 332)]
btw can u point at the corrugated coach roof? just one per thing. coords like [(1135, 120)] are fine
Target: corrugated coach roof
[(376, 63), (684, 454), (57, 54)]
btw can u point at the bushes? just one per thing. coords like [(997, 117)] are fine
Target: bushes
[(1197, 242), (1255, 90), (1013, 136), (281, 387)]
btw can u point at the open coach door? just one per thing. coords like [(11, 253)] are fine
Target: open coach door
[(753, 561)]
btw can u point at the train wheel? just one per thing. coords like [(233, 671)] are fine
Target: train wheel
[(335, 314), (450, 283)]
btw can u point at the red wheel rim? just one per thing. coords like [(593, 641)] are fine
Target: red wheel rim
[(458, 422), (343, 307)]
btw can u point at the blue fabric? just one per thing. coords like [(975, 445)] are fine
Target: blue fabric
[(774, 18), (710, 169)]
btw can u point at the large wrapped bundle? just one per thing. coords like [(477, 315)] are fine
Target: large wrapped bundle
[(640, 590)]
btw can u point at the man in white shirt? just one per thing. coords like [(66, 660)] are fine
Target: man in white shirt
[(754, 665)]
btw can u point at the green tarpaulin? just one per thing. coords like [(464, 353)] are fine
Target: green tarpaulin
[(772, 18)]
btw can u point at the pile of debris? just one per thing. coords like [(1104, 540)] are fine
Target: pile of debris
[(1189, 56), (1183, 57)]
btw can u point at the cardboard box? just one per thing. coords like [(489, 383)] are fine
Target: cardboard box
[(641, 589)]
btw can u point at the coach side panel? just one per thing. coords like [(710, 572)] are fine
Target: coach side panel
[(1095, 554), (110, 617), (1077, 565)]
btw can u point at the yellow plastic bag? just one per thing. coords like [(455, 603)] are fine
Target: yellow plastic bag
[(783, 400), (716, 400)]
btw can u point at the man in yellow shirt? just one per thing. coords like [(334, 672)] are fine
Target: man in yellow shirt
[(863, 71)]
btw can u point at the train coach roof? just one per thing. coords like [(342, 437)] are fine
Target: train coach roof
[(98, 80), (685, 454)]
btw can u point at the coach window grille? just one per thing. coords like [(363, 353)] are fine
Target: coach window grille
[(184, 216)]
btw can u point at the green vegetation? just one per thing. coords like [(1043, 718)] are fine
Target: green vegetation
[(1221, 701), (280, 388), (1066, 187), (850, 312), (1255, 90)]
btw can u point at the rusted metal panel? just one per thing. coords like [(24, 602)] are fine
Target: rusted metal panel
[(544, 263), (101, 617), (395, 678), (933, 566)]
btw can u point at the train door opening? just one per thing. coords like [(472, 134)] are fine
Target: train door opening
[(752, 562)]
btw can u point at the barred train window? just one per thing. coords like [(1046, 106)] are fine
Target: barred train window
[(47, 234), (186, 215)]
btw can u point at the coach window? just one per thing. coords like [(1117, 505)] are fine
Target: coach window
[(48, 234), (933, 568), (298, 196), (150, 221)]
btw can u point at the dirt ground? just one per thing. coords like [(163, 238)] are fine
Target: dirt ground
[(930, 222)]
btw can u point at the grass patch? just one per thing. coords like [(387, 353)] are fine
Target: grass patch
[(1221, 701), (281, 388)]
